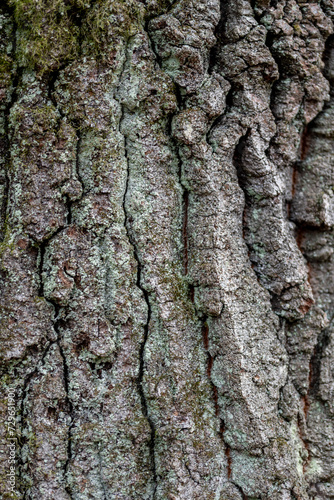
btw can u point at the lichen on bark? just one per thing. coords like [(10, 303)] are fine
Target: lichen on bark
[(166, 214)]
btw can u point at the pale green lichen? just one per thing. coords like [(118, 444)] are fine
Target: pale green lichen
[(8, 241)]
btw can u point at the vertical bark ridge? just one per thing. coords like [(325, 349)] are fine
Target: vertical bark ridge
[(183, 103), (189, 127), (176, 451)]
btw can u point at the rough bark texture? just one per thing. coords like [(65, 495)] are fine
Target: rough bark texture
[(167, 252)]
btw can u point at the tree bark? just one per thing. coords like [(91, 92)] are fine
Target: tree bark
[(167, 269)]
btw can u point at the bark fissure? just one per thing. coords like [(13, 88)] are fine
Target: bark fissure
[(60, 311), (244, 497), (176, 149), (16, 75), (140, 384), (57, 321), (29, 377), (210, 360), (3, 208), (315, 363), (23, 421), (70, 405)]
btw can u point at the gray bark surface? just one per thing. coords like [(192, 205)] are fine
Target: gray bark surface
[(166, 249)]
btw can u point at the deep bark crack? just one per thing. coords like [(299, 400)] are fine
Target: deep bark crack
[(15, 79), (56, 323), (57, 309), (140, 384), (210, 360), (23, 412), (42, 249)]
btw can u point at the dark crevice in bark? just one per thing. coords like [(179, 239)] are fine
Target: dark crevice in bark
[(52, 78), (3, 208), (303, 150), (68, 400), (15, 81), (205, 334), (229, 100), (185, 191), (184, 230), (192, 293), (185, 194), (229, 104), (219, 34), (69, 212), (328, 53), (301, 424), (244, 497), (23, 412), (57, 321), (185, 210), (190, 473), (293, 192), (175, 147), (51, 81), (213, 66), (242, 180), (227, 451), (140, 383), (210, 360), (77, 15), (42, 249), (315, 363), (304, 145)]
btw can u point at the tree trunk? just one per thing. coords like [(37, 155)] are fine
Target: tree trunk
[(167, 268)]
